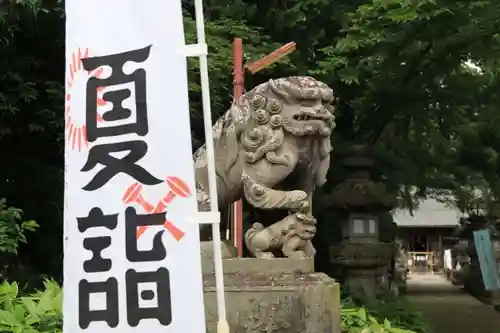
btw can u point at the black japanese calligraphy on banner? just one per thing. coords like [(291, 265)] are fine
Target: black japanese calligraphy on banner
[(101, 154), (110, 314), (97, 263), (161, 307), (116, 94), (125, 167), (137, 284), (96, 219), (96, 245), (109, 288), (116, 97), (134, 221)]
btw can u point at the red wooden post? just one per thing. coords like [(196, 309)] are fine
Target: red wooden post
[(239, 87), (236, 209), (239, 75), (271, 58)]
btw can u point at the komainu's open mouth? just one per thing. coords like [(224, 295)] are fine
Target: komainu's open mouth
[(304, 117), (326, 117), (303, 123)]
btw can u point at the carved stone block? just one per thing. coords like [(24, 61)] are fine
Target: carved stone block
[(290, 299), (207, 250), (253, 265), (361, 255)]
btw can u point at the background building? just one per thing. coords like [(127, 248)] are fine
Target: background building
[(427, 232)]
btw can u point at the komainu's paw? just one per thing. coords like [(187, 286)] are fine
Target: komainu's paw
[(306, 218), (258, 226), (297, 255)]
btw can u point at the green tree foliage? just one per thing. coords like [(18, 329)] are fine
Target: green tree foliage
[(13, 233), (397, 66), (31, 120), (221, 32), (12, 228), (405, 87)]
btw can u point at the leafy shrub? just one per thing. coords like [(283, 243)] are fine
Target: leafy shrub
[(384, 314), (40, 312), (12, 229), (359, 320), (13, 232)]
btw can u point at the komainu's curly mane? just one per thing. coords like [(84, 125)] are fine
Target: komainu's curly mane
[(255, 126)]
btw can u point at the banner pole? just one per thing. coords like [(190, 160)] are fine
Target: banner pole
[(222, 324)]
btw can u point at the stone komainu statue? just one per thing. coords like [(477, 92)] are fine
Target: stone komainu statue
[(273, 147)]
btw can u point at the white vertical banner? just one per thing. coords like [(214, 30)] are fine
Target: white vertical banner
[(128, 266)]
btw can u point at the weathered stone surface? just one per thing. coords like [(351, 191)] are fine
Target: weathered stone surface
[(272, 148), (361, 255), (263, 299), (253, 265), (365, 265), (207, 250)]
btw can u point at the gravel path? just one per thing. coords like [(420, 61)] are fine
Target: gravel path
[(448, 309)]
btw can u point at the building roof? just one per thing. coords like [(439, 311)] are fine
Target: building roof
[(430, 213)]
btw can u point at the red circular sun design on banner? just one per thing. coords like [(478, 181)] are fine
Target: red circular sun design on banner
[(76, 81)]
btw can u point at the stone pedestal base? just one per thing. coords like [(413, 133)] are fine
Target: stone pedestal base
[(364, 265), (207, 250), (366, 281), (275, 296)]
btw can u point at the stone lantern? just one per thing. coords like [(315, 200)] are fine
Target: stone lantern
[(363, 262)]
